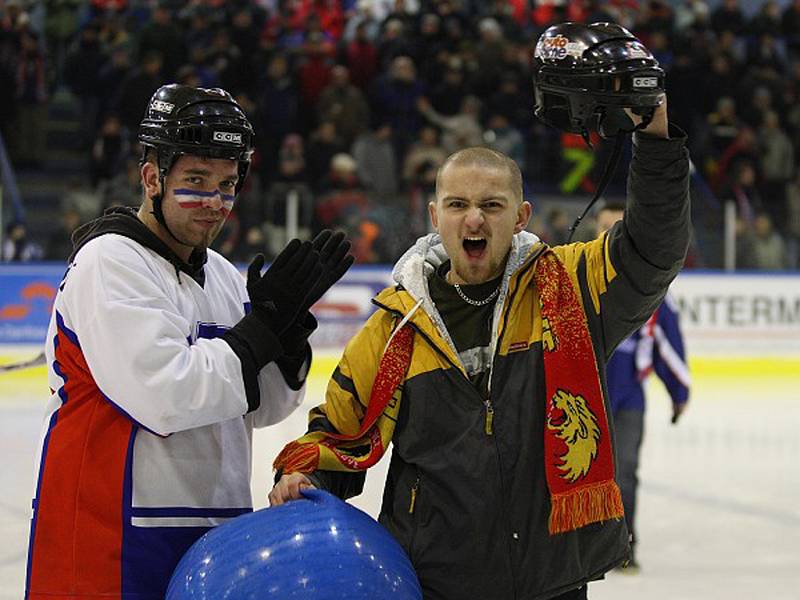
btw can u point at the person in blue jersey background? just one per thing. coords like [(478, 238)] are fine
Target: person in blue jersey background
[(656, 347)]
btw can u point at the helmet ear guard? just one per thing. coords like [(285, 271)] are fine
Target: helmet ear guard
[(586, 75)]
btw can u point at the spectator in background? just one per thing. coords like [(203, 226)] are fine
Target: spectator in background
[(424, 158), (313, 67), (278, 112), (489, 52), (718, 82), (136, 89), (512, 102), (377, 164), (110, 77), (59, 242), (342, 200), (777, 166), (198, 25), (361, 57), (245, 36), (290, 185), (728, 17), (225, 61), (743, 192), (744, 147), (501, 136), (557, 226), (83, 63), (767, 246), (344, 105), (110, 149), (447, 93), (657, 347), (395, 99), (760, 101), (163, 36), (462, 130), (723, 126), (364, 19), (17, 246), (790, 20), (422, 162), (29, 139), (324, 144), (793, 221), (691, 14), (766, 20), (429, 45)]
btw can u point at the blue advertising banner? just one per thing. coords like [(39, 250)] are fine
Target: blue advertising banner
[(26, 296), (27, 292)]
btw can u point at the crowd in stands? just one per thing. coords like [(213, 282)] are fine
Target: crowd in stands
[(357, 102)]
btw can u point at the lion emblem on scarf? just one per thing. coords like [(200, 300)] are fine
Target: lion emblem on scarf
[(574, 423)]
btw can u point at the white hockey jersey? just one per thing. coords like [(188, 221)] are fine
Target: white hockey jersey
[(147, 439)]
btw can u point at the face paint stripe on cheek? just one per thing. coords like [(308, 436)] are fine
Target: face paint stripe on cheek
[(196, 199)]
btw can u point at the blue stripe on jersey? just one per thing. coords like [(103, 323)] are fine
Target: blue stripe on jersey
[(185, 511), (67, 331)]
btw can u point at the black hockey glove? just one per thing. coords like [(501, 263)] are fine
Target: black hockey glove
[(276, 298), (285, 286), (333, 251)]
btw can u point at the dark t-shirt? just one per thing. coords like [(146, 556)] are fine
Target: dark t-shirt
[(469, 326)]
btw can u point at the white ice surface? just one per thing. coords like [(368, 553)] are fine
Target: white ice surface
[(719, 504)]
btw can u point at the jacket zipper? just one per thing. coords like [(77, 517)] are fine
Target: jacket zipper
[(414, 489), (488, 425)]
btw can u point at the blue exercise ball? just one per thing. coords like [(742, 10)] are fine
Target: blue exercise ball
[(318, 547)]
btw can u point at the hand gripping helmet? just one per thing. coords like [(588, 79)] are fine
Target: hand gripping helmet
[(208, 122), (584, 75)]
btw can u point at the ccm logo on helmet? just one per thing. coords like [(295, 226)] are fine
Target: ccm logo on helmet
[(645, 82), (227, 137), (161, 106)]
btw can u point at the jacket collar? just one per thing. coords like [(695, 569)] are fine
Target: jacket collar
[(415, 267)]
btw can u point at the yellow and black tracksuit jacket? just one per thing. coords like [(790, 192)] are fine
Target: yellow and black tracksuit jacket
[(470, 507)]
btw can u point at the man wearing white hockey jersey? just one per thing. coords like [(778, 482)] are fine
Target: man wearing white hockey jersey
[(161, 363)]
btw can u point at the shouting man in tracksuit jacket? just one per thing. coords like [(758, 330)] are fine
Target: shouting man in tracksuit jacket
[(485, 367)]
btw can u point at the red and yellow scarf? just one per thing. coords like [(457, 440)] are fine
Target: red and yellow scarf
[(579, 462)]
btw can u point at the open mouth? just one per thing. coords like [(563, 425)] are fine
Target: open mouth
[(474, 246)]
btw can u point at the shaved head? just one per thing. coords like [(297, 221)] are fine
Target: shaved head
[(485, 158)]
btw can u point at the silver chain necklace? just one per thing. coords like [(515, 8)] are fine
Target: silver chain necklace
[(483, 302)]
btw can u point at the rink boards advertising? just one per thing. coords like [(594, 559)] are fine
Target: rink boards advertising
[(743, 314)]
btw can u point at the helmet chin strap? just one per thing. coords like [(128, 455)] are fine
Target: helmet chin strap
[(614, 122), (611, 165)]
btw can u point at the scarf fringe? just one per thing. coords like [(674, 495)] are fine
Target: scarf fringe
[(582, 506), (298, 457)]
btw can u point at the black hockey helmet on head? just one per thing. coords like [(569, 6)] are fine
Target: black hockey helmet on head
[(181, 119), (584, 75)]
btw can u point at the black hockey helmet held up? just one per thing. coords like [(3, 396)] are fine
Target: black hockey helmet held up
[(208, 122), (585, 75)]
